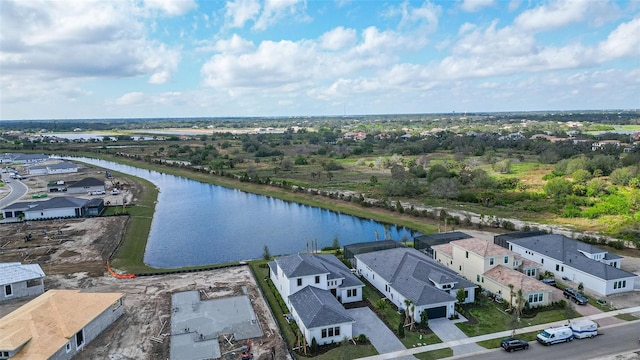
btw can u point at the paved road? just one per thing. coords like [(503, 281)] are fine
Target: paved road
[(503, 334), (614, 339), (18, 190), (448, 331)]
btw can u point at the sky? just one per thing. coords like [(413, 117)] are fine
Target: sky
[(76, 59)]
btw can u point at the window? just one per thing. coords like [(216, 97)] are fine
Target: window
[(317, 279), (354, 292), (506, 259), (8, 290), (615, 285), (337, 331), (324, 333), (466, 254), (330, 332), (535, 298), (482, 279), (624, 283), (460, 267), (79, 339), (68, 347), (531, 272), (541, 260), (33, 282), (490, 261), (557, 267), (299, 282), (478, 278), (561, 268)]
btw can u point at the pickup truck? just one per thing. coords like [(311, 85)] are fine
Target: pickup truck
[(575, 296)]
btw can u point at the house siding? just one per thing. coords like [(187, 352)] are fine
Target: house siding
[(601, 286), (20, 289), (84, 189), (51, 213)]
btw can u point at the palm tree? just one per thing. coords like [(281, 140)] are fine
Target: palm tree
[(413, 322), (407, 304), (511, 293)]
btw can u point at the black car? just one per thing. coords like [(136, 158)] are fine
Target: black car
[(575, 296), (512, 344)]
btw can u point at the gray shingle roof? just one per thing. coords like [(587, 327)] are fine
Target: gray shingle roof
[(11, 273), (59, 202), (565, 250), (411, 273), (315, 264), (87, 182), (62, 165), (317, 307)]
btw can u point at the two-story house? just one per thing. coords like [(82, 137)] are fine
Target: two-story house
[(495, 269), (314, 287), (597, 269)]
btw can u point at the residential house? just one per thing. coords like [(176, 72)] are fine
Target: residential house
[(57, 324), (597, 269), (495, 269), (20, 280), (57, 207), (319, 315), (85, 186), (599, 145), (333, 285), (62, 167), (407, 274), (425, 242)]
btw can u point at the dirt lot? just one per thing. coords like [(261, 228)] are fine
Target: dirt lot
[(72, 252)]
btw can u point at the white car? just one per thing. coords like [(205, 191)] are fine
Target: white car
[(115, 192)]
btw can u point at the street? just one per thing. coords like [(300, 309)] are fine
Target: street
[(18, 189), (613, 340)]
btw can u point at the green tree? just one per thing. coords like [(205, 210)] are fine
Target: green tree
[(401, 330), (336, 243), (460, 296), (502, 166), (266, 255), (301, 160), (558, 187)]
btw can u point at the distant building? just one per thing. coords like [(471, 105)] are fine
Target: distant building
[(20, 280), (57, 324), (57, 207), (62, 167), (425, 242), (85, 186)]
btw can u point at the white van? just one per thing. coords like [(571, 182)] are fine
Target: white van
[(583, 328), (555, 335)]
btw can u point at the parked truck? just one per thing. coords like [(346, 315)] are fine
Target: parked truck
[(584, 328), (555, 335)]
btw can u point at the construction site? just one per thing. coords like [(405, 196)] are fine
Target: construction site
[(222, 308)]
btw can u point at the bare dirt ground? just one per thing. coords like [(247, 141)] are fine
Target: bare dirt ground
[(73, 252)]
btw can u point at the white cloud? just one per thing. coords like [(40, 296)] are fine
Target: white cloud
[(338, 38), (624, 41), (561, 13), (275, 10), (476, 5), (55, 42), (238, 12), (171, 7), (131, 98), (234, 45), (424, 17)]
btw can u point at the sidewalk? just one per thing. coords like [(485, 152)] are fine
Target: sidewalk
[(496, 335)]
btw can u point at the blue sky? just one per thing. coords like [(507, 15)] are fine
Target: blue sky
[(186, 58)]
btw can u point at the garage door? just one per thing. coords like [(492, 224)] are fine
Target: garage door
[(437, 312)]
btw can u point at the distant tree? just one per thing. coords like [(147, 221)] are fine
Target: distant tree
[(373, 180), (336, 243), (558, 187), (266, 255), (444, 188), (503, 166), (301, 160), (286, 164), (622, 176)]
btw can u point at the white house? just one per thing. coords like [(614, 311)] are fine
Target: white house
[(319, 315), (312, 284), (62, 168), (86, 185), (57, 324), (407, 274), (57, 207), (583, 263), (20, 280)]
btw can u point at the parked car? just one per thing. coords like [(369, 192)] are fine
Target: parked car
[(115, 192), (575, 296), (555, 335), (513, 344), (549, 281)]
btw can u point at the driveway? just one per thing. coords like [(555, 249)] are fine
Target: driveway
[(378, 333), (448, 331)]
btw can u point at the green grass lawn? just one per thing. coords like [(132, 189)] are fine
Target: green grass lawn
[(626, 317), (492, 318), (346, 351), (495, 343)]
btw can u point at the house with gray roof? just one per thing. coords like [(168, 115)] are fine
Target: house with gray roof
[(20, 280), (320, 315), (597, 269), (333, 285), (86, 186), (408, 274), (53, 208)]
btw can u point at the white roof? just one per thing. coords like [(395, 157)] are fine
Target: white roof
[(14, 272)]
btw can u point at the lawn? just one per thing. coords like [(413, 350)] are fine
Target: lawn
[(491, 318), (346, 351), (495, 343)]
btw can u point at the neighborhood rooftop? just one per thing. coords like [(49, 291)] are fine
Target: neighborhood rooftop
[(14, 272), (303, 264), (317, 307), (412, 274), (567, 250), (482, 247)]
